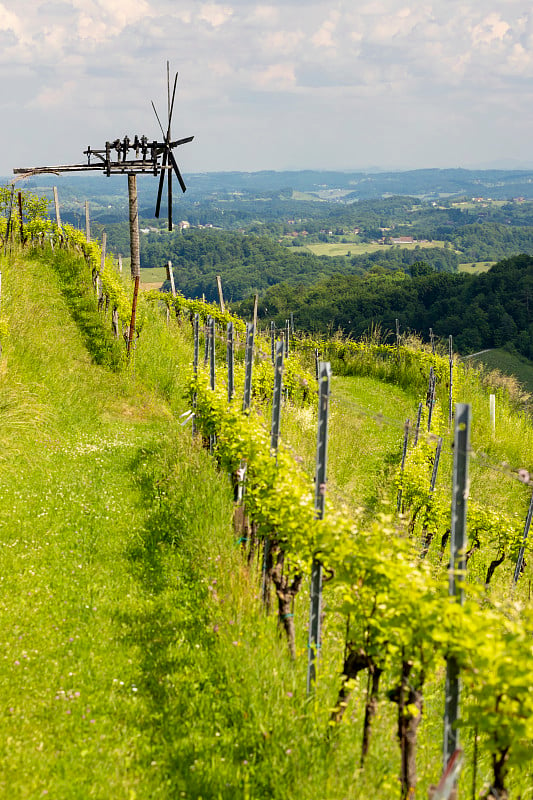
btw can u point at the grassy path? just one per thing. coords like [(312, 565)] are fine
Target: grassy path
[(97, 482), (365, 436)]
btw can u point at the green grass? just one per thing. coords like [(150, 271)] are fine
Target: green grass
[(154, 275), (477, 267), (138, 662), (357, 249), (365, 437)]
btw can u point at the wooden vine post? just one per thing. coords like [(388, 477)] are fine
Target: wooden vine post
[(131, 333), (320, 505), (88, 223), (21, 219), (492, 410), (248, 364), (220, 295), (196, 334), (398, 338), (170, 277), (256, 301), (103, 254), (273, 341), (432, 389), (457, 569), (418, 420), (230, 360), (56, 206)]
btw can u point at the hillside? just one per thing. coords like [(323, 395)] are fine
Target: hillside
[(480, 311), (139, 660)]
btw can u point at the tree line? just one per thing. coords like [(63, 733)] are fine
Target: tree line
[(493, 309)]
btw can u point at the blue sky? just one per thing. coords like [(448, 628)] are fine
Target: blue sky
[(274, 85)]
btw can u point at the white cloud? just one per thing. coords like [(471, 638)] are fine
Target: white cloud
[(215, 15), (284, 42), (265, 14), (9, 21), (491, 29), (276, 76), (324, 36), (248, 59), (53, 97)]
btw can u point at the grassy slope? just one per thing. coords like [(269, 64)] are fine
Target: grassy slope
[(136, 661), (114, 680), (507, 363), (362, 446), (89, 628)]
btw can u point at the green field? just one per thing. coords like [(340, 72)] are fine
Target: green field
[(357, 249), (477, 267), (155, 275)]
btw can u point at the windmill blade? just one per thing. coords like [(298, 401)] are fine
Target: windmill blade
[(176, 170), (171, 106), (161, 181), (168, 88), (181, 141), (157, 115), (169, 186)]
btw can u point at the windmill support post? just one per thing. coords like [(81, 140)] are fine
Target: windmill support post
[(135, 250)]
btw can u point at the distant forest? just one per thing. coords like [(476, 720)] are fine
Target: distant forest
[(250, 264), (494, 309)]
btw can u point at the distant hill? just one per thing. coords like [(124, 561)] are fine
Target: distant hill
[(425, 183)]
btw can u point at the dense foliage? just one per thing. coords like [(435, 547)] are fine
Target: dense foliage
[(480, 311)]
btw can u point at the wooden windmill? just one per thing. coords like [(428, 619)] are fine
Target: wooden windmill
[(137, 156)]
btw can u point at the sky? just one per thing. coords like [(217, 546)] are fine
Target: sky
[(286, 84)]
